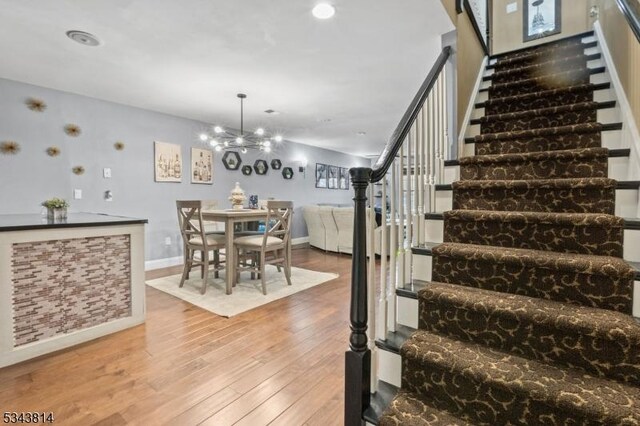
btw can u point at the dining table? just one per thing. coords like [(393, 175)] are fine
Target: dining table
[(230, 217)]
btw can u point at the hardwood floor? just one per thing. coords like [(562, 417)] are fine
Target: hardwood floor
[(280, 364)]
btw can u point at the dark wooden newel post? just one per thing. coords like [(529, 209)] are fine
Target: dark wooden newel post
[(358, 357)]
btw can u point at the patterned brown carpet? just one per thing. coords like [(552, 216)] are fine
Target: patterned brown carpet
[(528, 318)]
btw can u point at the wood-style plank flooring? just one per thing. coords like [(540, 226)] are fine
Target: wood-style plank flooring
[(279, 364)]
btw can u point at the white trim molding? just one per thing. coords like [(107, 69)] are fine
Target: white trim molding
[(630, 134), (471, 106)]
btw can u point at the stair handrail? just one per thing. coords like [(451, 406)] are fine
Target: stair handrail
[(388, 155), (631, 11), (358, 358)]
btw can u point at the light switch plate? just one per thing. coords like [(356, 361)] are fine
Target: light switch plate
[(106, 172), (77, 194), (512, 7)]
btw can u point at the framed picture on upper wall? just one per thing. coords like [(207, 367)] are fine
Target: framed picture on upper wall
[(332, 180), (168, 162), (344, 178), (321, 175), (201, 166), (541, 18)]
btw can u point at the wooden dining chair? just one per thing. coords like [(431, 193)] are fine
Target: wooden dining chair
[(271, 248), (196, 239)]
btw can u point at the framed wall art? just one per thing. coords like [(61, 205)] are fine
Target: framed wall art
[(168, 162), (321, 175), (344, 178), (201, 166), (231, 160), (541, 18), (332, 177)]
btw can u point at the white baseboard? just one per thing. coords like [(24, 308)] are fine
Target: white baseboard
[(471, 106), (298, 241), (150, 265)]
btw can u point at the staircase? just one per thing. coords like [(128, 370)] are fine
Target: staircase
[(526, 317)]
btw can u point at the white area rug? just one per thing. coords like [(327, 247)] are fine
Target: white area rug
[(247, 294)]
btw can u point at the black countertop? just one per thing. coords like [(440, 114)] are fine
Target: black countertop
[(26, 222)]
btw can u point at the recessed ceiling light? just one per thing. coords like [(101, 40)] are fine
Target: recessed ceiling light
[(272, 111), (323, 11), (83, 38)]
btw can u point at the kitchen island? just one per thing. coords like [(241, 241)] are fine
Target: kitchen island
[(63, 283)]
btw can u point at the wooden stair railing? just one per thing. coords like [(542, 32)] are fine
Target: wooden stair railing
[(415, 154)]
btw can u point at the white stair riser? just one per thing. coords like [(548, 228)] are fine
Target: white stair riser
[(390, 365), (626, 202), (421, 267), (407, 311)]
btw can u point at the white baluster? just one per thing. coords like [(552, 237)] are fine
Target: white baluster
[(393, 249), (372, 293)]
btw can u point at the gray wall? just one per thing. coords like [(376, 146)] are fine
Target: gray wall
[(31, 176)]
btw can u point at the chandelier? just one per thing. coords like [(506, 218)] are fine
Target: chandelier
[(224, 140)]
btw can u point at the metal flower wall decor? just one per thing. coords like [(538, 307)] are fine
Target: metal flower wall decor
[(72, 130), (37, 105), (53, 151), (9, 147)]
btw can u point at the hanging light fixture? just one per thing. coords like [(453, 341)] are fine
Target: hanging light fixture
[(222, 139)]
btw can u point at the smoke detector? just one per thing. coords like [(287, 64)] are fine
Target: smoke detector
[(83, 38)]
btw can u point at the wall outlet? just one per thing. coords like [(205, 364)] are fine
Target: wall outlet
[(77, 194), (167, 241), (106, 172), (512, 7)]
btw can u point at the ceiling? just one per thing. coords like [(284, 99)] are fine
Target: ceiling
[(331, 79)]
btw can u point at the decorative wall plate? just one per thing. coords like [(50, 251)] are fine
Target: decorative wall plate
[(276, 164), (287, 173), (261, 167), (231, 160), (247, 170)]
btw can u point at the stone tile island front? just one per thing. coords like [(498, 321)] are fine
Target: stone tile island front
[(69, 282)]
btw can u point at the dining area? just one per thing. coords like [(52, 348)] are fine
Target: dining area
[(236, 248)]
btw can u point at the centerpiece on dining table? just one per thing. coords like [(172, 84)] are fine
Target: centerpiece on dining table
[(237, 197)]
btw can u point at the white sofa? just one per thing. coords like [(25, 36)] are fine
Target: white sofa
[(331, 229)]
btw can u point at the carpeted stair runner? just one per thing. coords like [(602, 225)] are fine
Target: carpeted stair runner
[(545, 139), (582, 195), (583, 233), (548, 98), (598, 281), (565, 115), (565, 164), (528, 318)]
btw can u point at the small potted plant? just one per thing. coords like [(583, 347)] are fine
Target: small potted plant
[(56, 209)]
